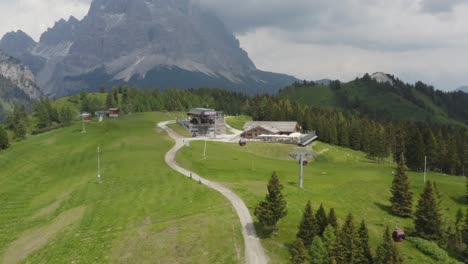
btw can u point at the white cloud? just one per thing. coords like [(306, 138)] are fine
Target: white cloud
[(35, 16), (313, 39), (443, 67)]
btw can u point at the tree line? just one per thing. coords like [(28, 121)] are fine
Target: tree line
[(445, 146)]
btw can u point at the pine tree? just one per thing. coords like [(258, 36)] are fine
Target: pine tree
[(346, 242), (318, 252), (400, 145), (332, 220), (3, 139), (308, 227), (430, 144), (329, 241), (387, 252), (109, 100), (415, 150), (84, 101), (402, 198), (363, 251), (298, 252), (270, 211), (428, 218), (322, 220), (18, 122), (66, 115), (465, 229)]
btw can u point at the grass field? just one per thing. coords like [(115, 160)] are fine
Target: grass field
[(52, 209), (179, 130), (338, 178), (237, 122)]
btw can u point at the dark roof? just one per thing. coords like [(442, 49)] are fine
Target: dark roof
[(202, 111)]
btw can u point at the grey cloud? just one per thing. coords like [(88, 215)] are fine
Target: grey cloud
[(439, 6), (391, 25)]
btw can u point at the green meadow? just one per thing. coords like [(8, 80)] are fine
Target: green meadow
[(340, 178), (53, 210)]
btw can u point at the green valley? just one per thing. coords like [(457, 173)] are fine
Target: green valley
[(54, 211)]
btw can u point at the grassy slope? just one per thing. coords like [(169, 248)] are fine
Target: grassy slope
[(179, 130), (144, 212), (238, 122), (74, 101), (340, 178)]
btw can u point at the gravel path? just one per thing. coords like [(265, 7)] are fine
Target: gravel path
[(254, 253)]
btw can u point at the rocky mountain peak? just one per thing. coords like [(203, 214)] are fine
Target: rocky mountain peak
[(61, 31), (165, 43), (16, 42), (19, 75), (382, 77)]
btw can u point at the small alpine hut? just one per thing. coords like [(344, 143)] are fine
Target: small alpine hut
[(259, 129), (86, 117), (114, 112)]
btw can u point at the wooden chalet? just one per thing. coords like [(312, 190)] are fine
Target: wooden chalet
[(114, 112), (255, 129)]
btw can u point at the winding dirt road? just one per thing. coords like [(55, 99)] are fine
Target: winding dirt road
[(254, 252)]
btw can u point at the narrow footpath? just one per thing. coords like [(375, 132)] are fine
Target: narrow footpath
[(254, 252)]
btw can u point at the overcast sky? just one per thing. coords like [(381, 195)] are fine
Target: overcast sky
[(313, 39)]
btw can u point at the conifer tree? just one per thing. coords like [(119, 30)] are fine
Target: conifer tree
[(318, 252), (430, 148), (18, 122), (66, 115), (332, 220), (270, 211), (465, 229), (387, 252), (363, 251), (415, 150), (346, 242), (329, 241), (299, 252), (400, 145), (322, 221), (109, 100), (3, 139), (308, 227), (402, 198), (428, 218)]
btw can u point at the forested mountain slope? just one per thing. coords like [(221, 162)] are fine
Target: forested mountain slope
[(389, 100)]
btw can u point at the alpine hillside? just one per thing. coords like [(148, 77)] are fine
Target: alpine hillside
[(149, 43), (384, 96), (17, 84)]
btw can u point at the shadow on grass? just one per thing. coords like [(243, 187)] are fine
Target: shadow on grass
[(264, 232), (292, 183), (384, 207), (461, 199)]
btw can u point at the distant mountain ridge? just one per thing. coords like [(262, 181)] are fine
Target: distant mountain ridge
[(463, 89), (165, 43), (383, 96)]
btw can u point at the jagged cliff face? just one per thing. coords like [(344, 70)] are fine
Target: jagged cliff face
[(19, 75), (146, 42)]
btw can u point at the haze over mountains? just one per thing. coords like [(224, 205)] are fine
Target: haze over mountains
[(164, 43), (463, 89)]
